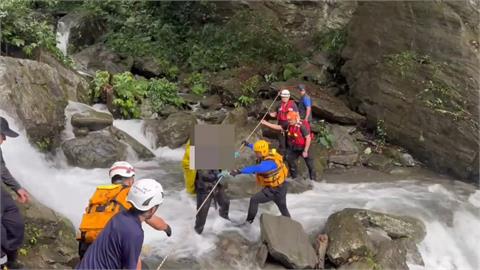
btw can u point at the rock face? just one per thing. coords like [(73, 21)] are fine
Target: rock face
[(98, 57), (37, 93), (358, 235), (345, 150), (287, 242), (141, 151), (96, 150), (396, 67), (49, 239), (147, 67), (324, 105), (84, 29), (173, 131), (92, 120)]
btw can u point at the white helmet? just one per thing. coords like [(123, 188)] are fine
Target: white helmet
[(121, 168), (145, 194), (285, 93)]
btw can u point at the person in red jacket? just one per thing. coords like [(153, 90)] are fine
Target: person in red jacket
[(299, 139), (287, 105)]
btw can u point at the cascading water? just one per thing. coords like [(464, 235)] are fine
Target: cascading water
[(450, 211), (63, 33)]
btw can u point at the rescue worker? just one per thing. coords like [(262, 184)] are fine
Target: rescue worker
[(119, 244), (107, 201), (204, 182), (305, 106), (271, 173), (285, 106), (13, 226), (299, 139)]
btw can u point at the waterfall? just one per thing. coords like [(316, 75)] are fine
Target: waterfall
[(449, 209)]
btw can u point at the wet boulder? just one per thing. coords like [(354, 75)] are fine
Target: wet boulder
[(92, 120), (96, 150), (99, 57), (173, 131), (287, 242), (360, 236), (211, 102)]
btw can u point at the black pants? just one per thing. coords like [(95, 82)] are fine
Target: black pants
[(278, 195), (219, 196), (82, 248), (13, 226), (292, 158), (282, 139)]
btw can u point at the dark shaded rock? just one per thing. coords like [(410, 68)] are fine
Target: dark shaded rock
[(212, 117), (173, 131), (84, 29), (211, 102), (287, 242), (98, 57), (96, 150), (324, 105), (380, 162), (148, 67), (391, 60)]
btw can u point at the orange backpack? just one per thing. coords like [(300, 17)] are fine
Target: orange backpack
[(107, 201)]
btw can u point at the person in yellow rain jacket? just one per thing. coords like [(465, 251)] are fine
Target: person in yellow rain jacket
[(106, 202), (201, 183), (271, 173)]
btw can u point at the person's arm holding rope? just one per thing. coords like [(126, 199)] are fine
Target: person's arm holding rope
[(159, 224), (272, 126)]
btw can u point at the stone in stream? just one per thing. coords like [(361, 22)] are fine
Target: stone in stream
[(287, 242)]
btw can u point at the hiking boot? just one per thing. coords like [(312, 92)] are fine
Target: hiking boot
[(14, 265)]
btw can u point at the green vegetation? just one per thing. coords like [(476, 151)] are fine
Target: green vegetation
[(381, 135), (324, 136), (331, 41), (290, 71), (197, 82), (249, 90), (24, 28), (175, 33), (44, 144), (443, 99), (129, 93), (407, 62), (162, 92)]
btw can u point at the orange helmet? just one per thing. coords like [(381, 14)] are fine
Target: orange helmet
[(293, 116)]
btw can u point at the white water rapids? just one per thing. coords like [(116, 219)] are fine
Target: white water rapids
[(450, 211)]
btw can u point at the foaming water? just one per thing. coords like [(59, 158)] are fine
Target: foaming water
[(450, 213)]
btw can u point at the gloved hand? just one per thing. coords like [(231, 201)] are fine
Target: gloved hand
[(245, 143), (237, 154), (235, 172), (223, 173), (168, 231)]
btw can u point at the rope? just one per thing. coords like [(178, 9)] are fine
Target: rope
[(221, 177)]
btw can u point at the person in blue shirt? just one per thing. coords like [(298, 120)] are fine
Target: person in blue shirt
[(119, 244), (271, 173), (304, 104)]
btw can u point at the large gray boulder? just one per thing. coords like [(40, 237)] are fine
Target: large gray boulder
[(173, 131), (81, 29), (142, 151), (399, 70), (49, 238), (36, 94), (96, 150), (345, 150), (92, 120), (287, 242), (382, 239)]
